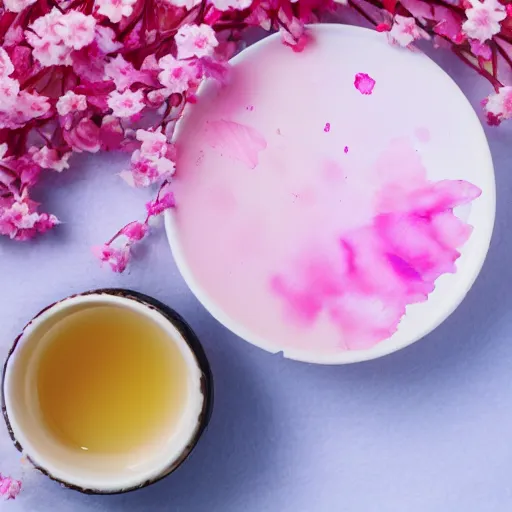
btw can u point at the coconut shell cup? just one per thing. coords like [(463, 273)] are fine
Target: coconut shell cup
[(30, 436)]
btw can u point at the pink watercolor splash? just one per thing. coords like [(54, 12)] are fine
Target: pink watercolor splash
[(235, 140), (327, 127), (9, 487), (364, 83), (384, 266)]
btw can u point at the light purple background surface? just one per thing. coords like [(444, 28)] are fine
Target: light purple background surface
[(428, 429)]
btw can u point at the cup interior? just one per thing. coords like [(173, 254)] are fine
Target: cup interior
[(97, 472)]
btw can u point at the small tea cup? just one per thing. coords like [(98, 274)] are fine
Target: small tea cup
[(104, 473)]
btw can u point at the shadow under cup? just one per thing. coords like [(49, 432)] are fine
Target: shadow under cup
[(104, 473)]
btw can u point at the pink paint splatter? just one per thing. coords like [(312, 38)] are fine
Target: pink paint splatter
[(235, 140), (327, 127), (345, 149), (384, 266), (422, 134), (364, 83)]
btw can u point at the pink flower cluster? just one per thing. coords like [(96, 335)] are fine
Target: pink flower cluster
[(9, 488), (479, 32), (116, 252), (94, 75)]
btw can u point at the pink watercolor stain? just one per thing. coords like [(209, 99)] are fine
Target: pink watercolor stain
[(327, 127), (382, 266), (379, 267), (237, 141), (364, 83)]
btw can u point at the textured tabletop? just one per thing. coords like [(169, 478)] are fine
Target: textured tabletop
[(428, 429)]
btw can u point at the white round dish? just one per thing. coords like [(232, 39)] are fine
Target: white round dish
[(412, 96)]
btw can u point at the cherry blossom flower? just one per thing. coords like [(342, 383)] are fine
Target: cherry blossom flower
[(71, 102), (46, 26), (19, 217), (18, 108), (154, 143), (9, 487), (32, 105), (116, 258), (153, 162), (123, 73), (146, 170), (499, 105), (76, 29), (55, 35), (164, 201), (48, 53), (27, 106), (47, 158), (47, 43), (483, 19), (195, 41), (176, 75), (135, 231), (405, 31), (116, 252), (115, 10), (20, 221), (126, 104)]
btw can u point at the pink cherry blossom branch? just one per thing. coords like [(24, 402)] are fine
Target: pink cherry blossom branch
[(85, 75)]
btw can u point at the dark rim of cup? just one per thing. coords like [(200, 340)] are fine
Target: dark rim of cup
[(192, 341)]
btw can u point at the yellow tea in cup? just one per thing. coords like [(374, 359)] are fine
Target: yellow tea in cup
[(109, 380)]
